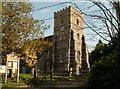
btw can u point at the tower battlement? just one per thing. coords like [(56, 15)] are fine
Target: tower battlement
[(69, 8)]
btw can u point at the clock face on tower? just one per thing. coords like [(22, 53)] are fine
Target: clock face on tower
[(62, 28)]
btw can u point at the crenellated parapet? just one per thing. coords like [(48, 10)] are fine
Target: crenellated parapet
[(70, 8)]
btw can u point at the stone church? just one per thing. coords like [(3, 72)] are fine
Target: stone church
[(68, 53)]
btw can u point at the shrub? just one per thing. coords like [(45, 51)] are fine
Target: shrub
[(105, 74)]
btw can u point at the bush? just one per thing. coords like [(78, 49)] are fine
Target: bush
[(105, 74)]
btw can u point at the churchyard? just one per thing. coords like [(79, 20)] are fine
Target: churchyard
[(28, 80)]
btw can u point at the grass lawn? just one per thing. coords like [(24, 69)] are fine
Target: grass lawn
[(28, 81), (11, 82)]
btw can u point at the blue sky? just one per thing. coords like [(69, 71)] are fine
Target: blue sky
[(49, 13)]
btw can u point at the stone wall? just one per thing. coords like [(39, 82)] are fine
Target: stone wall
[(69, 50)]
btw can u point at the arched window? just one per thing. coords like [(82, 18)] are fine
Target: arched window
[(62, 21), (77, 22), (78, 36), (71, 34), (83, 39)]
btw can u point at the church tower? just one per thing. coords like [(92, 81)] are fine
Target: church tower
[(69, 47)]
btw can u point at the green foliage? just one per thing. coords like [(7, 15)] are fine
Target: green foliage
[(98, 52), (105, 73), (11, 82), (15, 25), (30, 50), (21, 33)]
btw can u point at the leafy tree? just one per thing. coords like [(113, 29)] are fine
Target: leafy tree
[(21, 33), (30, 50), (105, 74), (98, 52)]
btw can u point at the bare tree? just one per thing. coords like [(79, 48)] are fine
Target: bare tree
[(106, 19), (103, 18)]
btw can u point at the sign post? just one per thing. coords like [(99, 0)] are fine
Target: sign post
[(12, 63)]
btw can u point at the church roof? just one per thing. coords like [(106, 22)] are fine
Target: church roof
[(49, 38)]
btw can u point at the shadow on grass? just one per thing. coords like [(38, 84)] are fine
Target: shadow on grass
[(31, 82), (28, 80)]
